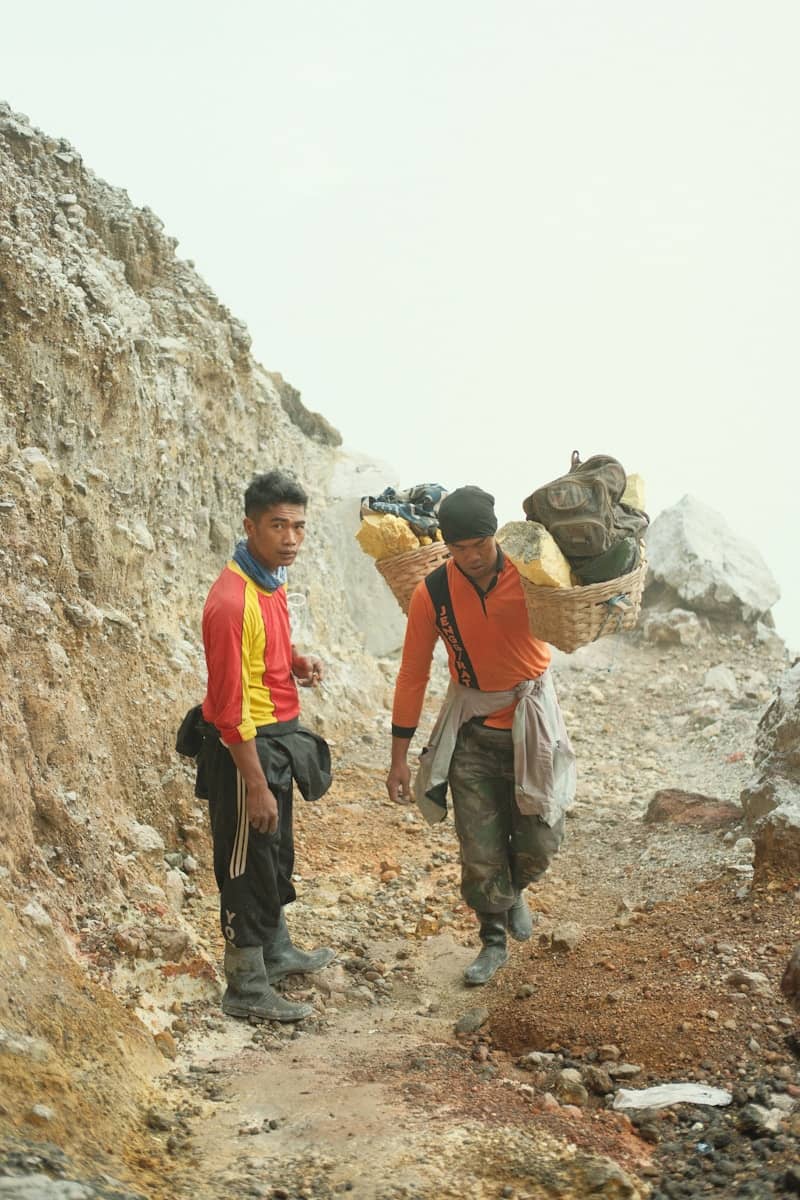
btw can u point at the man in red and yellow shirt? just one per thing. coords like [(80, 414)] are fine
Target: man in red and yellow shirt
[(255, 748), (500, 741)]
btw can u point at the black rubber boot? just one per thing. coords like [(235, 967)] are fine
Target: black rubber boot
[(282, 958), (520, 923), (494, 953), (249, 994)]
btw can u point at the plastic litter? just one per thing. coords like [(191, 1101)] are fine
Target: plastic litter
[(299, 617), (666, 1094)]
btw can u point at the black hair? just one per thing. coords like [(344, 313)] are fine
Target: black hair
[(275, 487)]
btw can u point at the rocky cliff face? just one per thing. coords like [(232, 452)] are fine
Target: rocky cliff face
[(771, 801), (132, 416)]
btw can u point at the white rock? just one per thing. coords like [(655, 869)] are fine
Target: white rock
[(37, 915), (768, 638), (83, 615), (146, 839), (721, 679), (691, 549), (180, 662), (754, 981), (35, 602), (177, 349), (334, 980), (114, 617), (38, 464), (22, 1045), (142, 536), (677, 627), (175, 889), (663, 1095), (362, 887), (42, 1113)]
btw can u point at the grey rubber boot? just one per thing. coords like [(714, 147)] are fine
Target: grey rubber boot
[(494, 953), (520, 923), (249, 994), (282, 958)]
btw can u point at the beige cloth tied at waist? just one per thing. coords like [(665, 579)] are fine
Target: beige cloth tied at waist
[(544, 761)]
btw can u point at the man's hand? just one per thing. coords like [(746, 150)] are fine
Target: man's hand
[(262, 807), (398, 783), (308, 670)]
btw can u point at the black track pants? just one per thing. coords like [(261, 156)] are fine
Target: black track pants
[(253, 870)]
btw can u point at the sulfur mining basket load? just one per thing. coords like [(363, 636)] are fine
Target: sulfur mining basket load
[(403, 572), (571, 617)]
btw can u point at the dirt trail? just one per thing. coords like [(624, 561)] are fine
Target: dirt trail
[(379, 1097), (384, 1101)]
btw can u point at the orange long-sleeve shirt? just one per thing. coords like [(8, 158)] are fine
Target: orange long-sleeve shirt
[(489, 644)]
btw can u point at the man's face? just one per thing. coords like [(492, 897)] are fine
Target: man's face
[(276, 534), (476, 557)]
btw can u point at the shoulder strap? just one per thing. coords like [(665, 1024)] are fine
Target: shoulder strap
[(439, 592)]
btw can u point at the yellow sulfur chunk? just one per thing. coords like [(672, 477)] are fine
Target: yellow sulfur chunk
[(534, 553), (634, 492), (383, 535)]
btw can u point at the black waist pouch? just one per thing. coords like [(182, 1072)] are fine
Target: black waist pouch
[(191, 731)]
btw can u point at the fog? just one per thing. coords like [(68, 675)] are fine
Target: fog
[(477, 235)]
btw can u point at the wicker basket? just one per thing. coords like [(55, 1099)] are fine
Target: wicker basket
[(572, 617), (403, 572)]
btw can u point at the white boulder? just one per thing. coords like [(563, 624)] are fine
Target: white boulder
[(694, 554)]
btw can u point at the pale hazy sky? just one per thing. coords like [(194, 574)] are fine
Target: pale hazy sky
[(477, 235)]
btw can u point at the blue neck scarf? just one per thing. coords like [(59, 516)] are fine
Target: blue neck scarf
[(270, 581)]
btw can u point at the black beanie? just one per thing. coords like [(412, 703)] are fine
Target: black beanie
[(466, 513)]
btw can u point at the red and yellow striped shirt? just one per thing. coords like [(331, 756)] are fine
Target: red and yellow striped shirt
[(248, 656)]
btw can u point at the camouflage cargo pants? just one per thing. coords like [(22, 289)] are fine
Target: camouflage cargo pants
[(502, 849)]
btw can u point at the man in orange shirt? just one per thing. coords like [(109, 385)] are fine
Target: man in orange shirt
[(500, 741), (254, 748)]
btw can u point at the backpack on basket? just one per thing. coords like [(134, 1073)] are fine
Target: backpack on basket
[(583, 509)]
